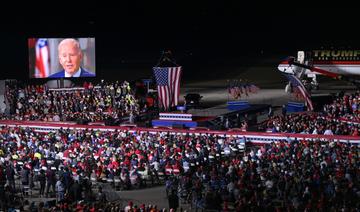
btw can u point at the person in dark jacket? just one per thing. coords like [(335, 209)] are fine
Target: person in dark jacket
[(50, 181), (42, 180), (10, 176), (173, 200), (24, 175), (70, 57)]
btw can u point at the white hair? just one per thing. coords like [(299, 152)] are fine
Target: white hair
[(69, 40)]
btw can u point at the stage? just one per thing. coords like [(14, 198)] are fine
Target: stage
[(212, 116)]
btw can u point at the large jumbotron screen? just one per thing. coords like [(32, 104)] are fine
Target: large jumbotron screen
[(61, 57)]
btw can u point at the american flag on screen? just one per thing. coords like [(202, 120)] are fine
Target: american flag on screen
[(168, 85), (298, 85), (42, 63)]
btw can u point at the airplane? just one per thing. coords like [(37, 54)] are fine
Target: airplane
[(337, 64)]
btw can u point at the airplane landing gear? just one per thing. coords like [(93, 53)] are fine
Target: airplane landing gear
[(314, 83)]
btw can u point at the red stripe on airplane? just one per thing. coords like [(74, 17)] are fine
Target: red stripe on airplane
[(327, 73), (285, 62)]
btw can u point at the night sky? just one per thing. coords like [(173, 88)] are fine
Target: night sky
[(206, 34)]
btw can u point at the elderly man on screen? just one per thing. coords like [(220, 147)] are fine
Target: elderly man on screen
[(70, 56)]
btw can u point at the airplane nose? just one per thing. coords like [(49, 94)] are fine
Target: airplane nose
[(282, 66)]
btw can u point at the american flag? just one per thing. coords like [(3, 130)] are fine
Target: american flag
[(42, 65), (296, 83), (168, 85)]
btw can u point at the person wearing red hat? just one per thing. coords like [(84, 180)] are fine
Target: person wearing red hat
[(79, 207), (129, 207), (142, 207)]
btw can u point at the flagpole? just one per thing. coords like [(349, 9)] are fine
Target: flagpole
[(161, 58)]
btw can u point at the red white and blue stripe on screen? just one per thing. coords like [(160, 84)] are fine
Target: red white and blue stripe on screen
[(42, 66)]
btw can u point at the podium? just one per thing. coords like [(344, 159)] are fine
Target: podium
[(177, 120)]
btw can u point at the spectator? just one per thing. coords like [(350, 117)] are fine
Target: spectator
[(10, 176), (173, 200), (101, 197), (50, 181), (25, 178), (42, 180), (60, 188), (129, 207)]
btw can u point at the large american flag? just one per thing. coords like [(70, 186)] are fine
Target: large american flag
[(297, 84), (42, 64), (168, 85)]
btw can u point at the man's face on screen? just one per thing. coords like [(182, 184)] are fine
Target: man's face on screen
[(70, 57)]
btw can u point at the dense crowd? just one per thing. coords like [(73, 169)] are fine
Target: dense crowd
[(345, 106), (206, 170), (338, 118), (106, 101), (289, 176), (312, 123), (25, 205), (85, 154)]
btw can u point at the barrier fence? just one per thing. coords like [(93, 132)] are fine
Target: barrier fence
[(250, 137)]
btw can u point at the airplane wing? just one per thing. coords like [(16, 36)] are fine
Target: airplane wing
[(350, 78), (314, 69)]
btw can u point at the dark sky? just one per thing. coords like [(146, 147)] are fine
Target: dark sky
[(202, 34)]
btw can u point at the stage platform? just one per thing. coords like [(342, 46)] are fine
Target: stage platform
[(181, 124), (178, 119), (202, 117), (223, 110)]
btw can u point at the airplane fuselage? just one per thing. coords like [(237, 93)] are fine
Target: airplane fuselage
[(338, 67), (340, 62)]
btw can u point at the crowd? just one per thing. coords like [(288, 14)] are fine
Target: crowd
[(206, 170), (66, 161), (345, 106), (288, 176), (313, 123), (25, 205), (337, 118), (106, 101)]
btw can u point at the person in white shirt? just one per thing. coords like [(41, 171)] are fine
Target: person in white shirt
[(328, 132)]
